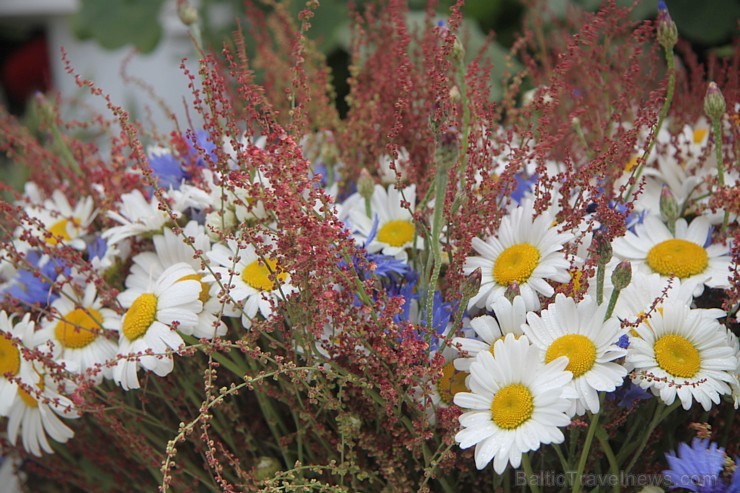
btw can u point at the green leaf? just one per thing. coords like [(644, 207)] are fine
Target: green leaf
[(117, 23)]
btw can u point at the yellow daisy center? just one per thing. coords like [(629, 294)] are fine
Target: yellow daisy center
[(676, 257), (59, 229), (140, 316), (78, 328), (516, 263), (579, 349), (10, 357), (699, 135), (451, 383), (28, 398), (257, 275), (512, 406), (631, 164), (396, 233), (204, 288), (677, 355)]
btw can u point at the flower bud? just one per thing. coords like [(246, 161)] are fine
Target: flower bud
[(622, 275), (266, 467), (667, 31), (668, 205), (365, 185), (603, 250), (471, 285), (714, 102), (512, 291), (188, 14)]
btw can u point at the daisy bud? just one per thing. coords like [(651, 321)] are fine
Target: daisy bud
[(622, 275), (188, 14), (365, 185), (714, 102), (603, 250), (668, 205), (266, 468), (512, 291), (472, 284), (667, 31)]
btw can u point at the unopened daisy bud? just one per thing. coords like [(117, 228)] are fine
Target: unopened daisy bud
[(471, 285), (512, 291), (365, 185), (714, 102), (622, 275), (603, 250), (668, 205), (329, 153), (188, 14), (458, 51), (266, 468), (667, 31)]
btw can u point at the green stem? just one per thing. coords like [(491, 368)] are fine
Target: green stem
[(439, 205), (660, 413), (587, 445), (717, 128), (603, 439), (670, 62), (530, 474), (612, 303), (600, 273)]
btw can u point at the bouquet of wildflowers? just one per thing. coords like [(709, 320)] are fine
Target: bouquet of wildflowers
[(436, 292)]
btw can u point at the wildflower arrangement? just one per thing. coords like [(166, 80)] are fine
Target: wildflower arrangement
[(437, 292)]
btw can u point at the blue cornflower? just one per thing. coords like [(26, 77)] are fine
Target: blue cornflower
[(524, 184), (171, 170), (33, 285), (697, 467), (628, 395)]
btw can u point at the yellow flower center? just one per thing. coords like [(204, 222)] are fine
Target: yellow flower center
[(140, 316), (677, 355), (78, 328), (59, 229), (631, 164), (451, 383), (257, 275), (579, 349), (28, 398), (512, 406), (396, 233), (699, 135), (204, 288), (516, 263), (10, 357), (676, 257)]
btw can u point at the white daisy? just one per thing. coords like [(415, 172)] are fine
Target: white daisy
[(61, 222), (509, 319), (77, 333), (395, 230), (638, 298), (250, 283), (526, 250), (516, 403), (137, 215), (578, 331), (147, 329), (12, 361), (652, 248), (35, 411), (682, 352), (170, 249), (386, 174), (11, 477)]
